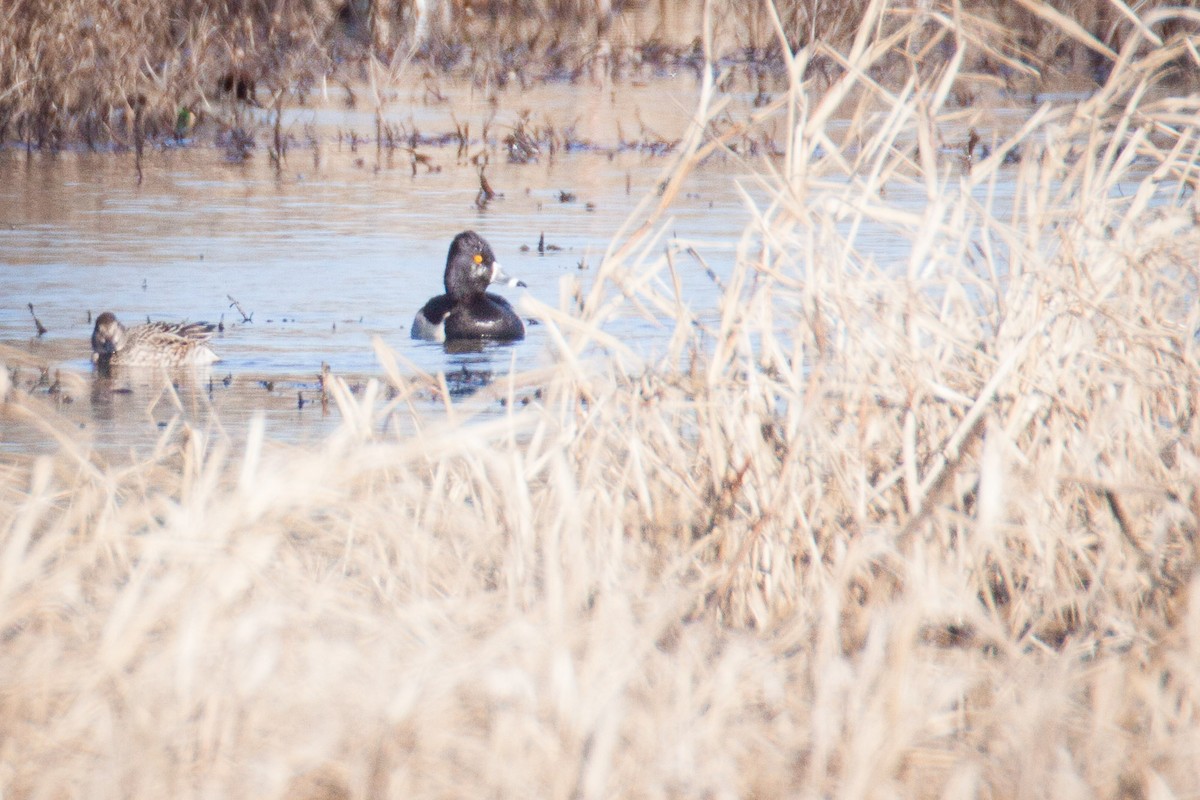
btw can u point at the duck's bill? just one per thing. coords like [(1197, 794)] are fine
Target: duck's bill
[(502, 277)]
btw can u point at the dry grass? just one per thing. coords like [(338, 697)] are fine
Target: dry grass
[(916, 530), (99, 73), (118, 74)]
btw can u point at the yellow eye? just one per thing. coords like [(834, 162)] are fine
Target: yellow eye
[(478, 258)]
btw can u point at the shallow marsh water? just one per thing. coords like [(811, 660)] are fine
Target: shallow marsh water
[(341, 245)]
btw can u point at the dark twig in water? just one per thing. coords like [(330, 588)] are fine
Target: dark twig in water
[(139, 132), (41, 329), (323, 379), (423, 160), (279, 150), (235, 304), (379, 128), (486, 193), (462, 133), (968, 157), (691, 251)]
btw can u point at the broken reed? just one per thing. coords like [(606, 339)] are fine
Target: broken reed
[(82, 71), (922, 526)]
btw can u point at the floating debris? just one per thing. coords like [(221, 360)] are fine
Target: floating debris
[(522, 147), (235, 304), (486, 192), (41, 329)]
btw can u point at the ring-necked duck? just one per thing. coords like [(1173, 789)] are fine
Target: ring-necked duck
[(467, 310), (155, 344)]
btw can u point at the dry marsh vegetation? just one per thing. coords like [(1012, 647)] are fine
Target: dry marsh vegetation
[(118, 74), (923, 529)]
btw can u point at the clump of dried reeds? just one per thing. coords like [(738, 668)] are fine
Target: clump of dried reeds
[(101, 73), (922, 528)]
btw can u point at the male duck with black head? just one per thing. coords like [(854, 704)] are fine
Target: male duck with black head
[(467, 311)]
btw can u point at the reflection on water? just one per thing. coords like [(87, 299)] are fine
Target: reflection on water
[(132, 409)]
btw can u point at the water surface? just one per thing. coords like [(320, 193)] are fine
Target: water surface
[(347, 238), (342, 244)]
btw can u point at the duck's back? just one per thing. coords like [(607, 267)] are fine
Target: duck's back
[(161, 344), (487, 317)]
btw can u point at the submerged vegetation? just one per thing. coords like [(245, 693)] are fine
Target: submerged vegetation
[(922, 530)]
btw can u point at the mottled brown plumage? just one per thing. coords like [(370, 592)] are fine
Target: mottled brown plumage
[(155, 344)]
